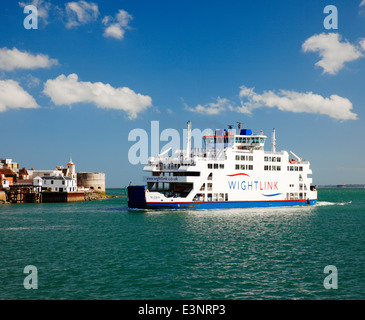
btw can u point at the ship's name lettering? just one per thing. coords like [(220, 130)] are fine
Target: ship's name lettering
[(253, 185)]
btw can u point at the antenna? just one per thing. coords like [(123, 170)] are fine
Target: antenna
[(273, 140), (188, 142), (239, 125)]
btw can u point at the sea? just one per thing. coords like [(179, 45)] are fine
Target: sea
[(100, 250)]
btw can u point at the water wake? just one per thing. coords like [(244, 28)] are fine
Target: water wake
[(327, 203)]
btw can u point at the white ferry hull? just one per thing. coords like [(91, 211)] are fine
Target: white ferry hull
[(136, 200)]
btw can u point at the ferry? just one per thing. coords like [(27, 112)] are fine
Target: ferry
[(232, 170)]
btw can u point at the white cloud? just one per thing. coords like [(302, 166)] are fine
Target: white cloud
[(117, 26), (81, 12), (362, 3), (13, 96), (69, 90), (212, 108), (335, 106), (43, 8), (15, 59), (334, 53)]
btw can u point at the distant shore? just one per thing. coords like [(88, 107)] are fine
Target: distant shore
[(351, 186)]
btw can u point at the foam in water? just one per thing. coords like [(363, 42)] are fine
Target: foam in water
[(327, 203)]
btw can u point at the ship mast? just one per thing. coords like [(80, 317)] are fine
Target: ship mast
[(188, 142), (273, 141)]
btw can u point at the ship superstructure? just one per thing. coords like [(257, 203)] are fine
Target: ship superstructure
[(232, 170)]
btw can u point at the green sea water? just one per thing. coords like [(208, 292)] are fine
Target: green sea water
[(101, 250)]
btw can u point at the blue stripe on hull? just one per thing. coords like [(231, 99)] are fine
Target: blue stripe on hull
[(222, 205)]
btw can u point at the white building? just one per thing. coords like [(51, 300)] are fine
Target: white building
[(5, 183), (54, 184)]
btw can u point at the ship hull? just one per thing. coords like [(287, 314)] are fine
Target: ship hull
[(221, 205)]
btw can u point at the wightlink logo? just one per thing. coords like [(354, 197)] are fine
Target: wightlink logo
[(251, 185)]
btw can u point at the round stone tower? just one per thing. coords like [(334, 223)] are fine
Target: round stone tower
[(91, 180)]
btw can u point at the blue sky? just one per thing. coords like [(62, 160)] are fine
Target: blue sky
[(95, 70)]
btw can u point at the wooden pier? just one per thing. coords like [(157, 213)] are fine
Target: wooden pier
[(24, 196)]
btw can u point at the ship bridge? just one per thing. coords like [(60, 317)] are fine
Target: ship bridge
[(244, 140)]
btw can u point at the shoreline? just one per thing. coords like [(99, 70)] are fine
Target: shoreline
[(6, 198)]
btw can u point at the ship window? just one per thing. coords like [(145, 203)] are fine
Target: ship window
[(242, 158), (242, 167), (291, 168), (278, 168), (296, 168), (251, 158), (216, 166), (265, 159), (273, 159), (237, 157), (210, 166), (278, 159), (262, 140), (237, 166), (221, 166), (266, 168), (250, 167), (300, 168), (244, 140), (273, 168)]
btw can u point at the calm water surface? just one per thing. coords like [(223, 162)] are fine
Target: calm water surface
[(101, 250)]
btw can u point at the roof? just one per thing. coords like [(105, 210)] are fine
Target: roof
[(7, 172), (23, 171), (56, 178)]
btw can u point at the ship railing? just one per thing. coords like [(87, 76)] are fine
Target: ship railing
[(187, 161), (275, 152)]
